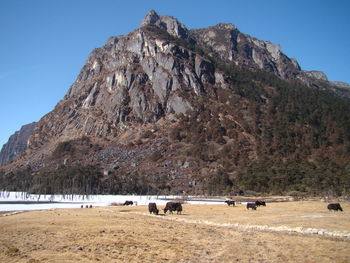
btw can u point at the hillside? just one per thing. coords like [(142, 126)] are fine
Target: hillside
[(165, 109), (16, 144)]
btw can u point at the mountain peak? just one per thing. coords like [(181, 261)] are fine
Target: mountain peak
[(151, 18), (168, 23)]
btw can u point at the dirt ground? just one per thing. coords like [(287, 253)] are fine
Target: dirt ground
[(203, 233)]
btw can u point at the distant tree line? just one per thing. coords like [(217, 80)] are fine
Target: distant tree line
[(85, 180), (65, 180), (296, 177)]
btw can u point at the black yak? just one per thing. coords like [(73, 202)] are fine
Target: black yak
[(128, 203), (152, 208), (251, 205), (230, 202), (259, 203), (335, 207), (172, 206)]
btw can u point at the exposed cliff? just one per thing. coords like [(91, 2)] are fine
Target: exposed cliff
[(135, 78), (140, 77), (16, 144), (232, 46)]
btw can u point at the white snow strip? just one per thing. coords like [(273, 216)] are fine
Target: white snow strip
[(42, 202)]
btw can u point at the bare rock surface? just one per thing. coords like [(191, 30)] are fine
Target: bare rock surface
[(16, 144)]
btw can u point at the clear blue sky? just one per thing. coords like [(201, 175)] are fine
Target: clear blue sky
[(44, 43)]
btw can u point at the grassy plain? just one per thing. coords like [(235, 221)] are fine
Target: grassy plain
[(130, 234)]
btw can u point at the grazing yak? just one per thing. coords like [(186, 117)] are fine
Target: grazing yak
[(172, 206), (251, 205), (230, 202), (152, 208), (259, 203), (128, 203), (334, 207)]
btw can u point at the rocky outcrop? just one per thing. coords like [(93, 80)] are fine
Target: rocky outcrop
[(16, 144), (232, 46), (134, 78), (140, 77), (317, 75), (167, 23), (341, 84)]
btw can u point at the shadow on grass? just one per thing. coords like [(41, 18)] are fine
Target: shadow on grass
[(175, 214)]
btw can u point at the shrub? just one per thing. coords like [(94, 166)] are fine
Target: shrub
[(156, 156), (148, 134)]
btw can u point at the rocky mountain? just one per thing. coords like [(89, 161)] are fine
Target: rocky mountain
[(168, 109), (16, 144)]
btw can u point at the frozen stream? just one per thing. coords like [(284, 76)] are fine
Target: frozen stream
[(22, 201)]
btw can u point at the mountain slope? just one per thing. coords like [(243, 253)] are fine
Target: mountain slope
[(167, 109), (16, 144)]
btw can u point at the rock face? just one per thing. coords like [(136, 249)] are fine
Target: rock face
[(140, 77), (341, 84), (16, 144), (167, 23), (227, 42), (318, 75)]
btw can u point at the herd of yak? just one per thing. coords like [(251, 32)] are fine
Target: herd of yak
[(177, 206), (152, 207)]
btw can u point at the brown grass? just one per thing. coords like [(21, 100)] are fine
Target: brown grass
[(129, 234)]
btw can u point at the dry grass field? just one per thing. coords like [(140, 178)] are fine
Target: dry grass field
[(203, 233)]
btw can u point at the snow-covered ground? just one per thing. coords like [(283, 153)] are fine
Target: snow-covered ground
[(20, 201)]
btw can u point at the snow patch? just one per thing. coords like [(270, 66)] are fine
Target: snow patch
[(22, 201)]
